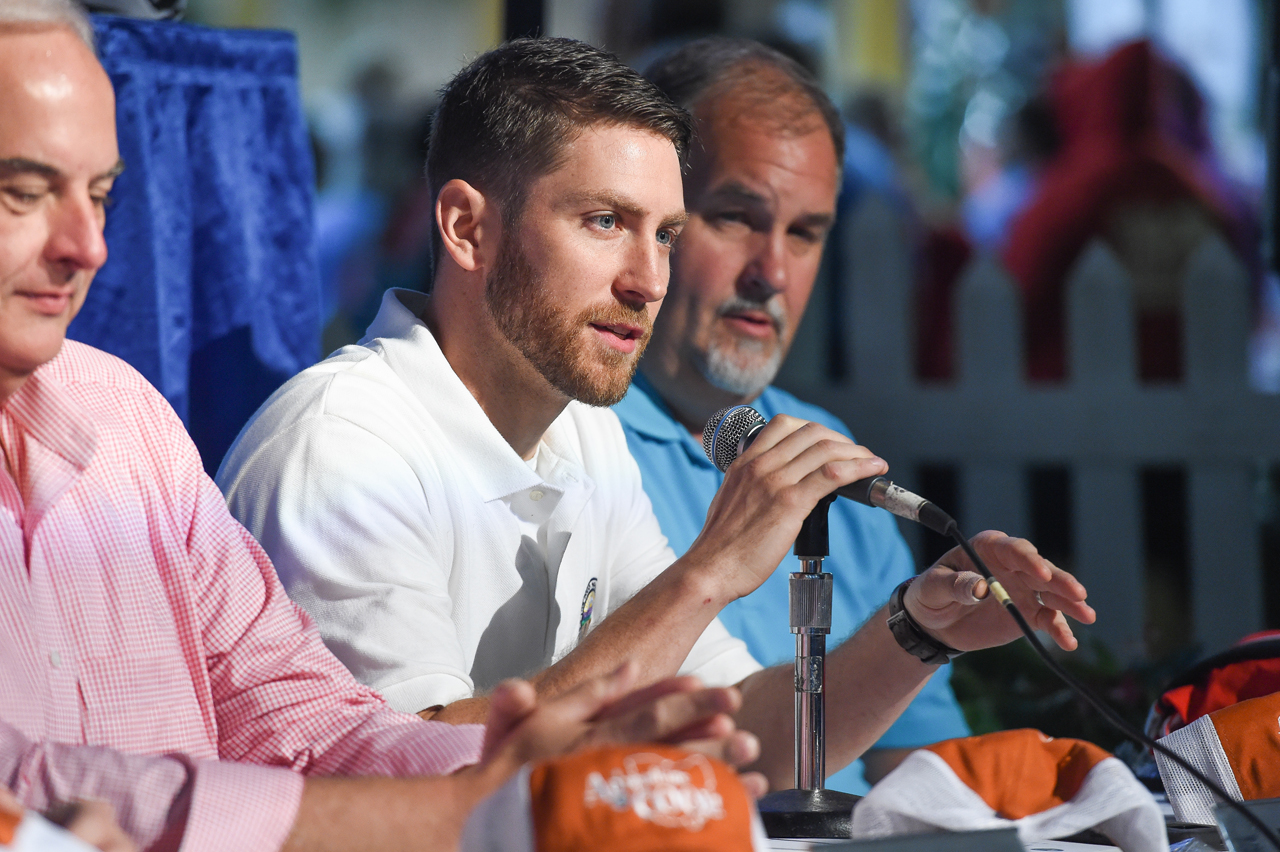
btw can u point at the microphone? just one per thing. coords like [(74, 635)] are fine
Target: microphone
[(731, 430)]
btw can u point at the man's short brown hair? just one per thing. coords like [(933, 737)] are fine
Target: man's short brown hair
[(507, 117)]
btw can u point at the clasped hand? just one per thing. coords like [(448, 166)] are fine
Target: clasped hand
[(606, 710)]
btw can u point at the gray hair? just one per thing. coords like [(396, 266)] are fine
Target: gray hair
[(710, 67), (66, 13)]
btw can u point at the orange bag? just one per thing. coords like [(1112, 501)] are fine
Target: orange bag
[(621, 798)]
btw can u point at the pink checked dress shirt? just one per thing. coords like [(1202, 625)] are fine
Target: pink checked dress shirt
[(148, 654)]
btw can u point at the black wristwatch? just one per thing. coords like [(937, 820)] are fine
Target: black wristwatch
[(911, 636)]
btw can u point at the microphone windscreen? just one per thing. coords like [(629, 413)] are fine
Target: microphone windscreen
[(722, 437)]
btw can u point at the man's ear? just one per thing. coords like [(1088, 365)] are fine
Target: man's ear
[(468, 224)]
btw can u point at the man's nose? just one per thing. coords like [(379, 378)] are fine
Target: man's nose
[(75, 235), (766, 272), (647, 274)]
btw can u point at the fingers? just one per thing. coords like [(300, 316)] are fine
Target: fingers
[(9, 803), (952, 601), (515, 702), (639, 697), (792, 451), (1024, 572), (1005, 555), (755, 782), (667, 717), (510, 704), (94, 822), (737, 749), (1056, 626)]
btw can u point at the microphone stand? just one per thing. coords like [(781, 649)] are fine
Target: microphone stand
[(810, 810)]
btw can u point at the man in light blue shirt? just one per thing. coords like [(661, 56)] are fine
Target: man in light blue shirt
[(761, 201)]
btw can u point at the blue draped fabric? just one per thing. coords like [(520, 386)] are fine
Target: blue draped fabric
[(211, 288)]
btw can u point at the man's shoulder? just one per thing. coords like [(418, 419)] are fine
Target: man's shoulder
[(79, 364), (774, 400), (351, 389), (354, 383)]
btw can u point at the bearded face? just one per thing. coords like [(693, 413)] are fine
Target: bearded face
[(559, 344), (744, 365)]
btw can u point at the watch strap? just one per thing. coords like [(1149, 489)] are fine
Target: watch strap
[(911, 636)]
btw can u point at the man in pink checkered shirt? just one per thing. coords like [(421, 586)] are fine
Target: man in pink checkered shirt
[(148, 655)]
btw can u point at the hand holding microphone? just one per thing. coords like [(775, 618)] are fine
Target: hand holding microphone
[(730, 431), (943, 600), (754, 518)]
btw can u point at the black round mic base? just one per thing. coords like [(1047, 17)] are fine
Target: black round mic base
[(807, 813)]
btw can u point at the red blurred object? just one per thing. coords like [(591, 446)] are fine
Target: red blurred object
[(1133, 133), (1249, 669)]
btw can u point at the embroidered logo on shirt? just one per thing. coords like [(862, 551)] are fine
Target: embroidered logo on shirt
[(588, 606), (660, 791)]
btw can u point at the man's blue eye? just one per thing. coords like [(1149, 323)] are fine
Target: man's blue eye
[(665, 237), (605, 221)]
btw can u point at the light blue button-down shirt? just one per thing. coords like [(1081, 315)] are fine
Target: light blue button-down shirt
[(869, 558)]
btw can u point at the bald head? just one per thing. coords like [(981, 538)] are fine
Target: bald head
[(48, 72), (34, 14), (58, 161), (719, 75)]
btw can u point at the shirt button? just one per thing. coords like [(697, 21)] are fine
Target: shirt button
[(535, 495), (55, 659)]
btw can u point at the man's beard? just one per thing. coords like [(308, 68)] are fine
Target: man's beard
[(742, 365), (553, 342)]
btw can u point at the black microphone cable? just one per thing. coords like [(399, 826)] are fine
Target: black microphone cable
[(1115, 719), (722, 447)]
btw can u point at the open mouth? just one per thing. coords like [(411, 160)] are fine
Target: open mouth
[(622, 332), (622, 337)]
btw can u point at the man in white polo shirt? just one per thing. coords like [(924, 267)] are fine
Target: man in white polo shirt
[(452, 503)]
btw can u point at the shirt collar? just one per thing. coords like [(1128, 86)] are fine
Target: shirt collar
[(44, 410), (643, 410), (413, 353)]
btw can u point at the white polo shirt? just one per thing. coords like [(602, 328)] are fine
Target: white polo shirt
[(435, 560)]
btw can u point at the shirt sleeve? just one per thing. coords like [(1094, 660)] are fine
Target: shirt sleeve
[(282, 697), (160, 801), (717, 658), (348, 525)]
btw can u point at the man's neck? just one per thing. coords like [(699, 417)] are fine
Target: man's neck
[(10, 384), (516, 398), (689, 396)]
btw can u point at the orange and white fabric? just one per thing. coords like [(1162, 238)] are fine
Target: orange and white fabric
[(1237, 746), (30, 832), (622, 798), (1047, 788)]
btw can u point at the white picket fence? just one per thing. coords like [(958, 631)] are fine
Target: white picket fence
[(1102, 425)]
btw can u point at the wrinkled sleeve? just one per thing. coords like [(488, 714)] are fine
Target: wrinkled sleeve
[(642, 553), (351, 531), (160, 801), (280, 697)]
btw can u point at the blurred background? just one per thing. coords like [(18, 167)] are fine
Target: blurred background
[(1047, 301)]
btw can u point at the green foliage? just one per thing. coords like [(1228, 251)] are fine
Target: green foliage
[(1011, 687)]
